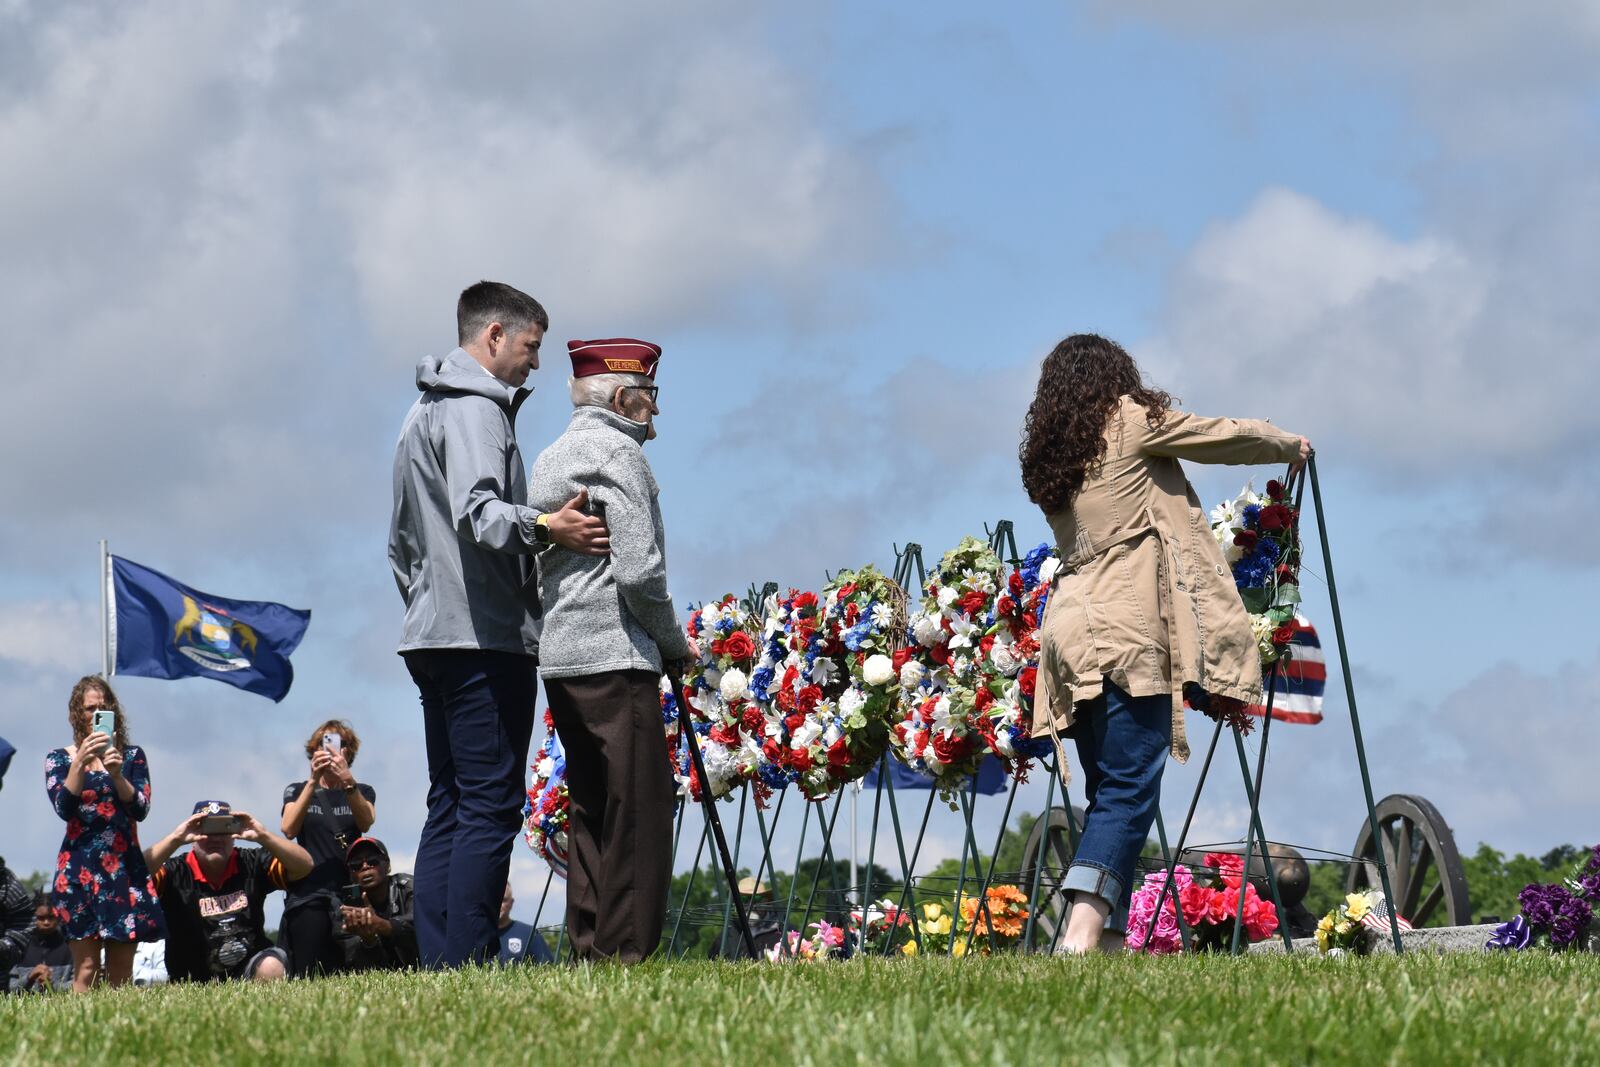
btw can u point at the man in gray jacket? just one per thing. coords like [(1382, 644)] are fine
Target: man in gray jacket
[(461, 544), (609, 630)]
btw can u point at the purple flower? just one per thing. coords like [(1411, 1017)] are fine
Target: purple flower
[(1570, 924), (1514, 935), (1541, 902)]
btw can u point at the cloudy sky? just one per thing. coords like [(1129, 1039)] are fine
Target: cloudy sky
[(856, 229)]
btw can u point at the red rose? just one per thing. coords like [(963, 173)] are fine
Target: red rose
[(771, 751), (951, 749), (1275, 489), (852, 614), (723, 735), (1275, 517), (838, 754), (808, 699), (716, 646), (847, 590), (1005, 605), (1283, 634), (985, 643), (753, 720), (1015, 583), (794, 722), (983, 699), (972, 602), (800, 759), (1027, 680), (901, 657), (1246, 539), (940, 654), (739, 646)]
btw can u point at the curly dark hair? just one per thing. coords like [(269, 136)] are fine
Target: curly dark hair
[(1063, 435), (79, 718)]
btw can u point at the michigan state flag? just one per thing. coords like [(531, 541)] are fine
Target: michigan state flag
[(164, 629)]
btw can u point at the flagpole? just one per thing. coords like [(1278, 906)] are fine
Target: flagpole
[(106, 666)]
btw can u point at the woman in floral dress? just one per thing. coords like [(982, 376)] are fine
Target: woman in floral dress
[(100, 786)]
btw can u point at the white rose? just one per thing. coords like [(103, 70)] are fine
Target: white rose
[(732, 685), (947, 596), (1004, 661), (911, 674), (851, 701), (878, 670)]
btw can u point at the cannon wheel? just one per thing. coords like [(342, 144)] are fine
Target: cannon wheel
[(1051, 913), (1425, 869)]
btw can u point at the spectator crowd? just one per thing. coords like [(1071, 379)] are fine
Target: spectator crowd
[(191, 906)]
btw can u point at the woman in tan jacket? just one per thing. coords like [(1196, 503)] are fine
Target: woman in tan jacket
[(1144, 610)]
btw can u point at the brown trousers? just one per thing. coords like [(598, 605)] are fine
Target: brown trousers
[(619, 829)]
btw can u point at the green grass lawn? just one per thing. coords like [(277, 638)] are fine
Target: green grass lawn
[(1526, 1008)]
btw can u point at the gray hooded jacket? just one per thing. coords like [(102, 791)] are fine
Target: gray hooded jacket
[(605, 613), (461, 551)]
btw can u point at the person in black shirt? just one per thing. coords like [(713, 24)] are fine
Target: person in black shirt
[(46, 962), (379, 933), (16, 919), (214, 896), (324, 814)]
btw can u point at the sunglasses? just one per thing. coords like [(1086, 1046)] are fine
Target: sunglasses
[(370, 861)]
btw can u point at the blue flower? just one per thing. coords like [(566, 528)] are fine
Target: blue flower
[(759, 681), (1031, 564), (1250, 514)]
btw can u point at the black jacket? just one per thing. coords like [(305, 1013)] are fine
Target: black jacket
[(396, 952)]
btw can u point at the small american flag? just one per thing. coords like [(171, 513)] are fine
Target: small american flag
[(1378, 918), (1301, 679)]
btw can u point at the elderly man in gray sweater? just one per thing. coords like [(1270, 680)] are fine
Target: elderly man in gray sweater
[(609, 630)]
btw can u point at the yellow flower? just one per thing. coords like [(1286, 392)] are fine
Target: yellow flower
[(1322, 938), (1356, 905), (930, 912), (1343, 929), (961, 946), (939, 926), (1325, 924), (908, 949)]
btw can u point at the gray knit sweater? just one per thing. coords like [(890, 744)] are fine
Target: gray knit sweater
[(605, 613)]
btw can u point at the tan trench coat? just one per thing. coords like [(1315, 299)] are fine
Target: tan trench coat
[(1143, 596)]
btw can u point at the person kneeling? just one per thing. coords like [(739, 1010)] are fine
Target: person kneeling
[(214, 895), (379, 932)]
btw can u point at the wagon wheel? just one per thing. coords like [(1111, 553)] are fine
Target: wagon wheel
[(1051, 911), (1424, 867)]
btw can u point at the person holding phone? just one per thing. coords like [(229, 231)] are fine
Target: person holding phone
[(214, 896), (325, 814), (100, 787), (380, 932)]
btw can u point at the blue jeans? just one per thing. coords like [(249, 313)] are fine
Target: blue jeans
[(1122, 745), (477, 714)]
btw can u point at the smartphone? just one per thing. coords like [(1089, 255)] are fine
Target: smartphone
[(332, 742), (219, 824), (105, 722), (351, 895)]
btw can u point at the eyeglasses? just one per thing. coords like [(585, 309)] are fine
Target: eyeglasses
[(653, 390), (371, 861)]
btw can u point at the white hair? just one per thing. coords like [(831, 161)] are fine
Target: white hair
[(596, 390)]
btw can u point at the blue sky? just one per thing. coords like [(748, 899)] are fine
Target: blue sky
[(855, 228)]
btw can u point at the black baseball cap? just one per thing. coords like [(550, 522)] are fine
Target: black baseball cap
[(367, 842), (212, 807)]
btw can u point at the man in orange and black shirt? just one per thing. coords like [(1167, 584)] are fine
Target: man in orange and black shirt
[(213, 896)]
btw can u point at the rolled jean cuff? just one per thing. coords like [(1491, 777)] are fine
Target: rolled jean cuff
[(1099, 882)]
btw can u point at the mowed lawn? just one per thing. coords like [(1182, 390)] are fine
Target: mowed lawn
[(1529, 1008)]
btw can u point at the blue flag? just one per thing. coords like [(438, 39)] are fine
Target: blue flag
[(991, 777), (164, 629)]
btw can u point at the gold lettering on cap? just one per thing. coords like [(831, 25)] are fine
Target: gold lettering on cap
[(625, 366)]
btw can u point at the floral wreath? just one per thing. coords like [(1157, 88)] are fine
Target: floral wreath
[(944, 729), (728, 720), (545, 812)]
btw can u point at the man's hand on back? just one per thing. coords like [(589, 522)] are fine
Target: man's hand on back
[(573, 528)]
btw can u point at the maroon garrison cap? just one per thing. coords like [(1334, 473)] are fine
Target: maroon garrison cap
[(613, 355)]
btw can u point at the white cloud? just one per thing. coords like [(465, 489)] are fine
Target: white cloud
[(50, 635)]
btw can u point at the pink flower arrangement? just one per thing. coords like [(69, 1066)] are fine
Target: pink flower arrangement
[(1209, 910)]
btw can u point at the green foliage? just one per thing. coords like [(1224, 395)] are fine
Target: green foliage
[(1419, 1009)]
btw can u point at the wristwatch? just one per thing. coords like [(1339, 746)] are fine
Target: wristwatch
[(541, 530)]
